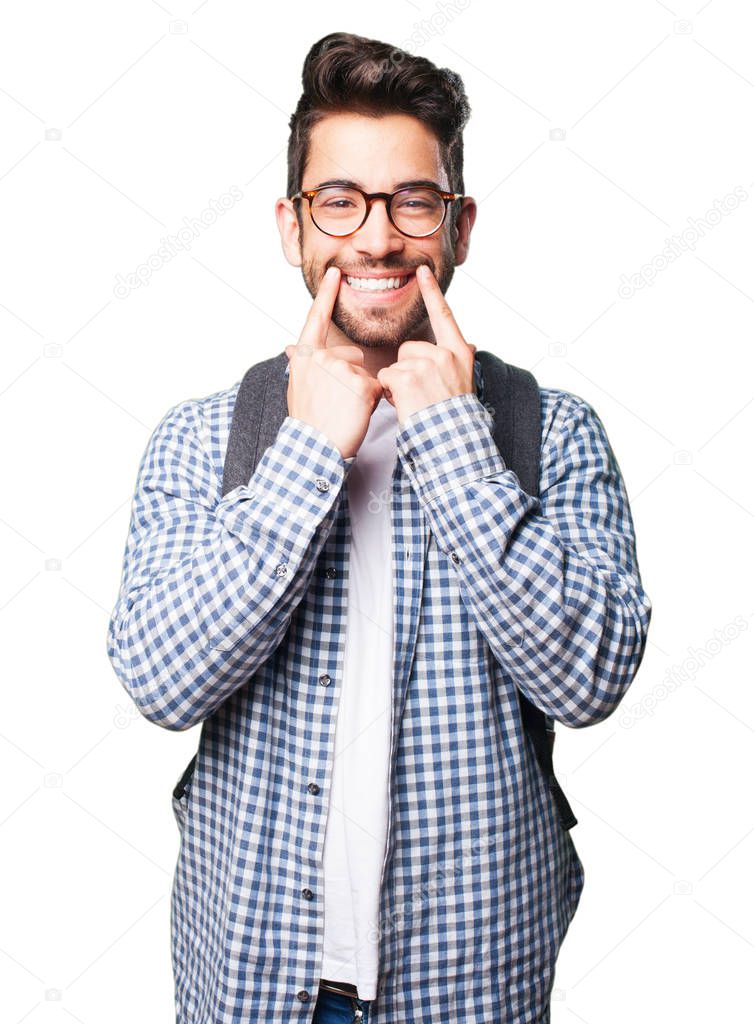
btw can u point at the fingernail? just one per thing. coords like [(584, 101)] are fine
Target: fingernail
[(332, 272)]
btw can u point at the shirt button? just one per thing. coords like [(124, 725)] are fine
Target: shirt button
[(410, 462), (282, 569), (330, 572), (307, 894), (325, 680), (455, 557), (303, 996), (313, 788), (322, 484)]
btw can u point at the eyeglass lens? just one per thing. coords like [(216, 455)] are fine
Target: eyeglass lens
[(339, 211)]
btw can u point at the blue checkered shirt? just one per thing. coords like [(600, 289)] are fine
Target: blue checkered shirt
[(232, 614)]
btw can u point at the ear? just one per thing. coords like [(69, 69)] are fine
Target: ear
[(464, 224), (285, 213)]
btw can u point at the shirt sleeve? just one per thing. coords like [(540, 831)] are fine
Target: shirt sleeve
[(209, 583), (552, 582)]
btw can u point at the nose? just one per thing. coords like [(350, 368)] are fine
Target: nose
[(377, 236)]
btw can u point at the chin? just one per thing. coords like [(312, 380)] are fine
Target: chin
[(378, 327), (377, 338)]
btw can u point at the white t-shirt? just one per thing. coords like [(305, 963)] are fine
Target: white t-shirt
[(356, 828)]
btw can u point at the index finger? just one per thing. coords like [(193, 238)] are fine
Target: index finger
[(444, 326), (317, 321)]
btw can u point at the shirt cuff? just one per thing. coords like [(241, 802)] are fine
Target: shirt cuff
[(448, 444), (302, 472)]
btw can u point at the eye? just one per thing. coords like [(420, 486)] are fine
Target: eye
[(337, 204), (417, 200), (337, 200)]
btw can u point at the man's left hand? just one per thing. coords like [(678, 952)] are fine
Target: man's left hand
[(426, 373)]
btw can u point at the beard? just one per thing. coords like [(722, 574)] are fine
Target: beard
[(378, 326)]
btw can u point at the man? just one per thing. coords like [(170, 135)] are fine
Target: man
[(366, 834)]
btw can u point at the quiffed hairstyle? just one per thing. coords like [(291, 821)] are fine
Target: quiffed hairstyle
[(344, 72)]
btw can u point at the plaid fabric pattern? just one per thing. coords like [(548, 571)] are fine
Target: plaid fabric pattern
[(231, 613)]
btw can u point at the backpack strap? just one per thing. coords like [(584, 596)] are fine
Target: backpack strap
[(260, 408), (512, 395)]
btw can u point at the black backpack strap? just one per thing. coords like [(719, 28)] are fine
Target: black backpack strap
[(261, 406), (184, 780), (511, 394)]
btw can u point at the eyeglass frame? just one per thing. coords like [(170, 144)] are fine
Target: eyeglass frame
[(369, 197)]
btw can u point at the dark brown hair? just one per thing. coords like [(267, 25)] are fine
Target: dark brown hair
[(345, 72)]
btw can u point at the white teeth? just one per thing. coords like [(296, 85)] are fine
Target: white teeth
[(376, 284)]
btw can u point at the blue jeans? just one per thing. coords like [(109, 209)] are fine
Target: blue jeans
[(334, 1008)]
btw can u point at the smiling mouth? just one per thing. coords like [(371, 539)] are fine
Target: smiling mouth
[(378, 285)]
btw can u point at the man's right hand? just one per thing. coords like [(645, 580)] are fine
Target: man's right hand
[(329, 388)]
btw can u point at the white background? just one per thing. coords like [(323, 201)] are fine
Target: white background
[(598, 131)]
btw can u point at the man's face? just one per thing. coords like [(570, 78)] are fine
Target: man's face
[(378, 154)]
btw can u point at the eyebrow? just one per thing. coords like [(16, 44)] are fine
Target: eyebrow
[(415, 183)]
